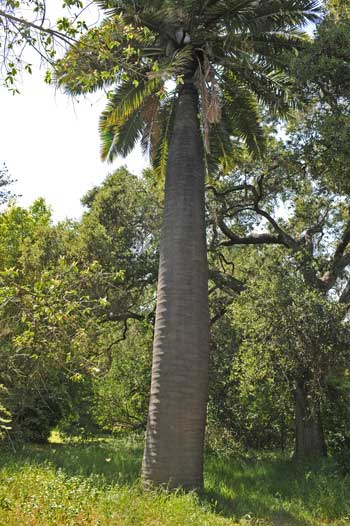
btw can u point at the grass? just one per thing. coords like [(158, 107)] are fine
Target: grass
[(96, 484)]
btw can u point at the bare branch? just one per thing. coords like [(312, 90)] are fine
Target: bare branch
[(343, 243), (288, 240), (252, 239), (52, 32), (345, 295), (108, 352), (225, 281), (124, 316)]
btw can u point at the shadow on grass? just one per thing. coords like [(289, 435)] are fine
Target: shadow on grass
[(268, 491), (115, 461), (275, 491), (251, 511)]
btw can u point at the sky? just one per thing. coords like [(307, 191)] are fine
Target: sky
[(51, 146), (50, 143)]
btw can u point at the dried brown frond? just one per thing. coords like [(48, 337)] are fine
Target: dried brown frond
[(210, 99)]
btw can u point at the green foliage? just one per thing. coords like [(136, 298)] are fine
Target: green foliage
[(121, 230), (5, 182), (231, 52), (122, 394), (296, 199), (47, 346), (249, 400), (289, 333), (337, 416), (25, 24), (67, 294), (5, 415), (324, 68), (340, 9), (321, 135)]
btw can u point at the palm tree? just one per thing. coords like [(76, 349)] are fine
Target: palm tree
[(226, 58)]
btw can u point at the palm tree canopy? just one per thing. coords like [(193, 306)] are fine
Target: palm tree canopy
[(233, 50)]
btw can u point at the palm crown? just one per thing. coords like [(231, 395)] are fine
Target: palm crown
[(231, 49)]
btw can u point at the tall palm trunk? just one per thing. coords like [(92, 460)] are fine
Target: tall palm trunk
[(177, 412)]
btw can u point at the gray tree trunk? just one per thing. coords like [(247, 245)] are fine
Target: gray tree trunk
[(310, 440), (177, 413)]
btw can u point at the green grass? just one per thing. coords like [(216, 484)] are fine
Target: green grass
[(272, 490), (96, 484)]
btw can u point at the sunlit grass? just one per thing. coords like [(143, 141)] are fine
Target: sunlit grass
[(97, 484)]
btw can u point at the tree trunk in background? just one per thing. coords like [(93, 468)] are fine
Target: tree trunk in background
[(310, 440), (175, 431)]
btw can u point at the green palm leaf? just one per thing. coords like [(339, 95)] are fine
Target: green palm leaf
[(122, 122), (238, 46), (263, 16), (242, 111), (130, 97)]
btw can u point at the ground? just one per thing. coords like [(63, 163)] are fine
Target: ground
[(96, 484)]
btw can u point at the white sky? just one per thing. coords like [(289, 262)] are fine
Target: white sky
[(50, 143)]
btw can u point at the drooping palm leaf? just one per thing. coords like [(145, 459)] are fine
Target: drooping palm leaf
[(160, 143), (237, 46), (262, 16), (242, 111), (122, 122)]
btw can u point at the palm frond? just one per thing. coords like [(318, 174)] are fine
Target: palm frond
[(221, 146), (263, 15), (240, 124), (244, 43), (173, 66), (122, 122), (272, 87), (151, 116), (128, 98), (160, 143), (241, 110), (160, 16), (120, 140)]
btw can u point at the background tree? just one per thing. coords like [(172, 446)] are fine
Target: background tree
[(300, 336), (305, 175), (69, 293), (5, 183), (46, 322)]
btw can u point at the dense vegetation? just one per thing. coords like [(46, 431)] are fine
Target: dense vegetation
[(78, 298)]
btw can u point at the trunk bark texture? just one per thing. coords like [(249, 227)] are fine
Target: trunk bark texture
[(177, 413), (310, 440)]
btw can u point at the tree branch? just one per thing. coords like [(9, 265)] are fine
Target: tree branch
[(253, 239), (221, 313), (225, 281), (52, 32), (340, 259), (345, 295), (124, 316), (339, 256), (287, 240), (108, 351)]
